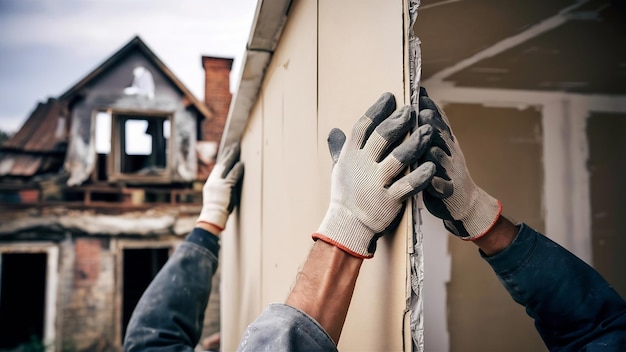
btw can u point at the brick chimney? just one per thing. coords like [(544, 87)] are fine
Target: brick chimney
[(217, 97)]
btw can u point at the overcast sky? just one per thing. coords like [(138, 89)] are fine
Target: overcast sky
[(46, 46)]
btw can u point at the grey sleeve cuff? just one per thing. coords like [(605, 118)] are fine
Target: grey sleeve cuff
[(284, 328), (205, 239), (511, 258)]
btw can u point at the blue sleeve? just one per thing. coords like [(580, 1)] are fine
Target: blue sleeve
[(574, 308), (284, 328), (170, 314)]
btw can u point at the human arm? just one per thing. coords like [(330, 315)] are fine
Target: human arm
[(312, 317), (573, 307), (170, 313), (568, 300), (368, 190), (324, 291)]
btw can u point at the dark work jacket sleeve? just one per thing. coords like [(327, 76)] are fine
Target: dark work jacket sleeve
[(284, 328), (574, 308), (170, 313)]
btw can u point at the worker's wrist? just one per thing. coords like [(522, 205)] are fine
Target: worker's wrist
[(479, 216), (207, 226), (498, 238), (344, 231), (324, 286), (214, 214)]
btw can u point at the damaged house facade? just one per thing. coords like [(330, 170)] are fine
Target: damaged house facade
[(97, 189)]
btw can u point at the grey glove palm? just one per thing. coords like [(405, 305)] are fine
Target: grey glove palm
[(466, 210), (366, 193)]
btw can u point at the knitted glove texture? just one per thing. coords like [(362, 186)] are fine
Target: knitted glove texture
[(467, 211), (367, 192)]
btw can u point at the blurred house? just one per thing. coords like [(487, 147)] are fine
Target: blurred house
[(536, 94), (96, 190)]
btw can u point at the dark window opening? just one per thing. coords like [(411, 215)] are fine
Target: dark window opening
[(140, 267), (22, 299), (101, 167)]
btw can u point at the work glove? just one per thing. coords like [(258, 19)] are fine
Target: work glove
[(367, 192), (466, 210), (220, 191)]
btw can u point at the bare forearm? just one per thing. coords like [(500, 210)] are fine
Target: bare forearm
[(325, 286), (498, 237)]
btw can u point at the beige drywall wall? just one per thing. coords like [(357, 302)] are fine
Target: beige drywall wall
[(357, 62), (241, 240), (323, 74), (503, 148)]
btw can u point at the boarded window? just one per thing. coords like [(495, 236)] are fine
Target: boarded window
[(22, 299), (140, 267)]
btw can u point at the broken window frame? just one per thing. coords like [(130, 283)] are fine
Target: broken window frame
[(52, 280), (114, 162)]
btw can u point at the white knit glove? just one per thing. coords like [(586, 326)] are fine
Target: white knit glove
[(366, 194), (219, 193), (466, 210)]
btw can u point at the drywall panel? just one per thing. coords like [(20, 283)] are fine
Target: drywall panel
[(503, 148), (317, 79), (280, 201), (444, 45), (607, 152), (291, 207), (359, 59), (578, 54), (240, 257), (437, 263)]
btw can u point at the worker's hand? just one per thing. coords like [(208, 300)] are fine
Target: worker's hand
[(366, 191), (219, 194), (466, 210)]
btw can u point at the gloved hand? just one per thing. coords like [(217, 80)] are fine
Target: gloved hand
[(219, 193), (466, 210), (366, 193)]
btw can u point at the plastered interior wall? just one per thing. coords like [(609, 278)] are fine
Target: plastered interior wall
[(503, 148), (580, 159), (317, 80), (607, 151)]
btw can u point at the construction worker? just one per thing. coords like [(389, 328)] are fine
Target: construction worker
[(574, 308)]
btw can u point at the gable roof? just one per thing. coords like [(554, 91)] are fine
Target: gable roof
[(137, 44), (44, 135)]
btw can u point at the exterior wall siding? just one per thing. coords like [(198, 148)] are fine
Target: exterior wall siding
[(316, 81)]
